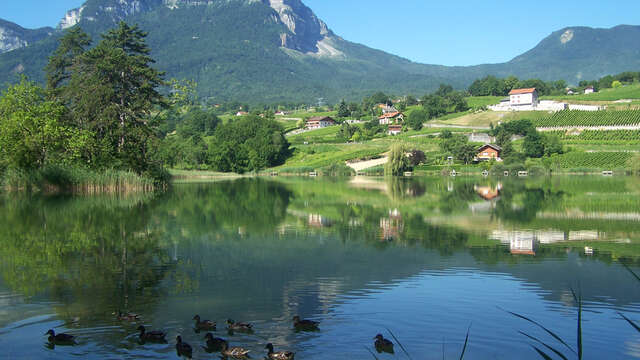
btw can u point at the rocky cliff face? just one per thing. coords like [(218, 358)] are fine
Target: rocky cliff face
[(14, 37), (111, 10), (306, 33)]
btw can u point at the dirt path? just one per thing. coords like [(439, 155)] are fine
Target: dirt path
[(368, 163)]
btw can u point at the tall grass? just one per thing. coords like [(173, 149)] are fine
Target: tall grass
[(58, 179), (547, 344)]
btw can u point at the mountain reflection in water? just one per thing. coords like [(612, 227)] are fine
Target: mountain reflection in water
[(423, 257)]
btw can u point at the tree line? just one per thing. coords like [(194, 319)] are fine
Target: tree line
[(102, 109)]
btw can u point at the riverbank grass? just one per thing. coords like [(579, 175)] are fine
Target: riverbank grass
[(58, 179)]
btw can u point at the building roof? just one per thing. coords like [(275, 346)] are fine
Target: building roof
[(320, 118), (494, 147), (390, 115), (522, 91)]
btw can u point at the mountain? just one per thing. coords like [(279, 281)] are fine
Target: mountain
[(578, 53), (278, 50), (13, 36)]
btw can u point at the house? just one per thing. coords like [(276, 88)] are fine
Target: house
[(589, 90), (319, 122), (389, 109), (488, 152), (391, 118), (570, 91), (394, 129), (242, 113), (523, 97)]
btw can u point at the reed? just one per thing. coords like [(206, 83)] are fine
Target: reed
[(59, 179)]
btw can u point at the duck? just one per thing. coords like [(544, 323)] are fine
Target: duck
[(383, 345), (183, 348), (154, 335), (127, 316), (299, 324), (235, 352), (60, 339), (204, 324), (238, 326), (215, 343), (280, 355)]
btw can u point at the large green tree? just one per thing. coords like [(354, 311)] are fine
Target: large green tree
[(31, 132), (247, 144), (112, 93)]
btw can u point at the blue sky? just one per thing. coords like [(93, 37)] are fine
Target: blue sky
[(452, 32)]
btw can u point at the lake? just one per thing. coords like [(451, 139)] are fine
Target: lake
[(423, 261)]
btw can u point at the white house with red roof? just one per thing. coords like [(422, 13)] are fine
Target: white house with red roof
[(391, 118), (523, 97), (319, 122)]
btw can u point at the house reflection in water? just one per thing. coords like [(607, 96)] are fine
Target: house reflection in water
[(319, 221), (391, 226), (489, 194), (525, 242)]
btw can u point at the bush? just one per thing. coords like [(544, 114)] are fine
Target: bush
[(337, 169)]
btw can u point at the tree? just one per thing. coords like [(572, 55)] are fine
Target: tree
[(416, 119), (616, 84), (398, 162), (198, 122), (71, 46), (533, 145), (247, 144), (112, 92), (465, 152), (346, 131), (417, 157), (343, 110), (552, 145), (31, 132)]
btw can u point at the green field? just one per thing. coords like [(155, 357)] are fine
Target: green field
[(589, 118), (625, 92), (480, 101), (316, 156), (595, 160)]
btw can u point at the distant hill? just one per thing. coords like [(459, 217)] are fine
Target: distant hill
[(13, 36), (278, 50)]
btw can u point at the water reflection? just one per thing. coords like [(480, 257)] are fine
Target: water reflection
[(358, 255)]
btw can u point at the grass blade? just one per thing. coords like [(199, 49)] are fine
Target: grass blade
[(542, 353), (466, 341), (557, 352), (371, 352), (635, 326), (631, 271), (543, 328), (399, 343), (578, 299)]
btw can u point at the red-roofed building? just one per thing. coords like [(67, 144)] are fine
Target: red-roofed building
[(391, 118), (523, 97), (318, 122)]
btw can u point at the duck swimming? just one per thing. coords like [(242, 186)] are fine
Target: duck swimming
[(280, 355), (204, 324), (60, 339), (183, 348), (155, 335), (305, 325), (239, 326), (383, 345), (235, 352), (215, 343)]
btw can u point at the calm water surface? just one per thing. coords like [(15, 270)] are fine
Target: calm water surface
[(426, 259)]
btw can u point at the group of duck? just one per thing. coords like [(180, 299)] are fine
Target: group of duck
[(214, 344)]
